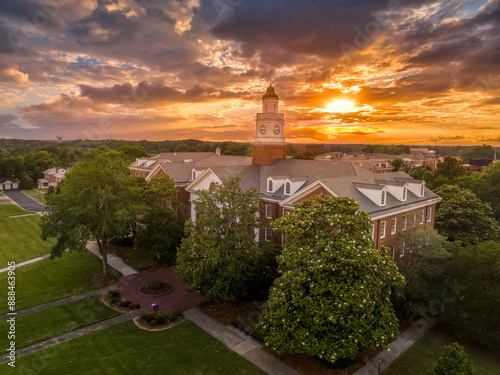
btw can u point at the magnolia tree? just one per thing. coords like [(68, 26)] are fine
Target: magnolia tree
[(332, 297), (220, 257)]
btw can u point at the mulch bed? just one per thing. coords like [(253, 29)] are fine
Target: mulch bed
[(114, 306), (142, 324), (148, 290)]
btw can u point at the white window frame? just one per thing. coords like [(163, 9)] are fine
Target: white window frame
[(393, 252), (402, 248), (283, 238), (383, 198), (269, 211), (270, 185), (382, 229), (268, 234), (403, 223), (405, 193), (394, 226), (422, 216), (422, 190), (373, 231), (429, 214)]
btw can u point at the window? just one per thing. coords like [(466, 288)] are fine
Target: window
[(412, 245), (404, 193), (287, 188), (283, 238), (269, 211), (269, 234), (373, 231), (429, 213), (422, 215), (382, 198), (382, 229), (212, 184), (413, 220), (270, 186), (403, 223), (393, 226), (402, 249), (194, 175), (393, 251), (422, 190)]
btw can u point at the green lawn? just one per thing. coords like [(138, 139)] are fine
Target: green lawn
[(7, 210), (55, 321), (20, 239), (34, 194), (125, 349), (423, 355), (49, 280)]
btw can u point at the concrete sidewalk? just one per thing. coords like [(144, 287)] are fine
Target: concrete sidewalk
[(27, 262), (113, 260), (245, 346), (397, 347)]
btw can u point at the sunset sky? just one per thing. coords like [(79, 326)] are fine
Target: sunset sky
[(346, 71)]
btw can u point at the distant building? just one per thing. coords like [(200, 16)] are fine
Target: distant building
[(9, 183), (478, 165), (51, 177), (398, 205)]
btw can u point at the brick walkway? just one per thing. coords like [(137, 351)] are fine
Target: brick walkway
[(177, 299)]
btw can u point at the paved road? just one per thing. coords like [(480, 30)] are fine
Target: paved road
[(27, 203)]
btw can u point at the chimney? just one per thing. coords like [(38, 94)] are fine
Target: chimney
[(57, 169), (217, 151)]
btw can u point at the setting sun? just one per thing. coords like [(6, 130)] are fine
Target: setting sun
[(342, 106)]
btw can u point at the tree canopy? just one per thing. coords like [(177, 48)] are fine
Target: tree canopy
[(98, 200), (453, 361), (450, 168), (219, 258), (332, 297), (462, 216)]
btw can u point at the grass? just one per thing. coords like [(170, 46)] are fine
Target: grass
[(138, 259), (57, 320), (50, 280), (423, 355), (20, 239), (33, 193), (7, 210), (183, 349)]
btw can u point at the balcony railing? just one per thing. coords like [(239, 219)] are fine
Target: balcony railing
[(270, 116)]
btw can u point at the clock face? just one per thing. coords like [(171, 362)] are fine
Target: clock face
[(263, 129), (276, 129)]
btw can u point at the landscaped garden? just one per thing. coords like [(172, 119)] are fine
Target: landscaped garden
[(423, 355), (7, 210), (48, 280), (20, 238), (42, 325), (183, 349)]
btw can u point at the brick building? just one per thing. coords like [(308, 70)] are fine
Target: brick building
[(398, 205)]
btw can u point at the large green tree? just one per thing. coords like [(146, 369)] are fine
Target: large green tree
[(474, 312), (219, 258), (98, 200), (462, 216), (332, 297), (162, 230), (450, 168)]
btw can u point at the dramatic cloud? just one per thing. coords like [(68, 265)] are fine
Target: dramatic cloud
[(345, 70)]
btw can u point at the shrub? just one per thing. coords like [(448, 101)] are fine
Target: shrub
[(453, 361), (123, 303), (153, 323), (131, 305), (171, 318), (113, 293), (113, 300), (160, 320), (150, 318), (137, 306), (157, 285), (177, 312), (144, 316)]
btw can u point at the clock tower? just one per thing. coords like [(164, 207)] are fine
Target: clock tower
[(269, 142)]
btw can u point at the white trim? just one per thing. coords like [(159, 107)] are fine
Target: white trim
[(382, 232), (270, 207), (422, 216), (153, 172), (191, 188), (411, 207), (429, 214), (270, 234), (306, 191), (394, 223), (404, 223)]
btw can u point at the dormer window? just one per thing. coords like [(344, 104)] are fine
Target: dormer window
[(288, 188), (270, 186), (382, 198), (422, 190), (404, 193), (194, 175)]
